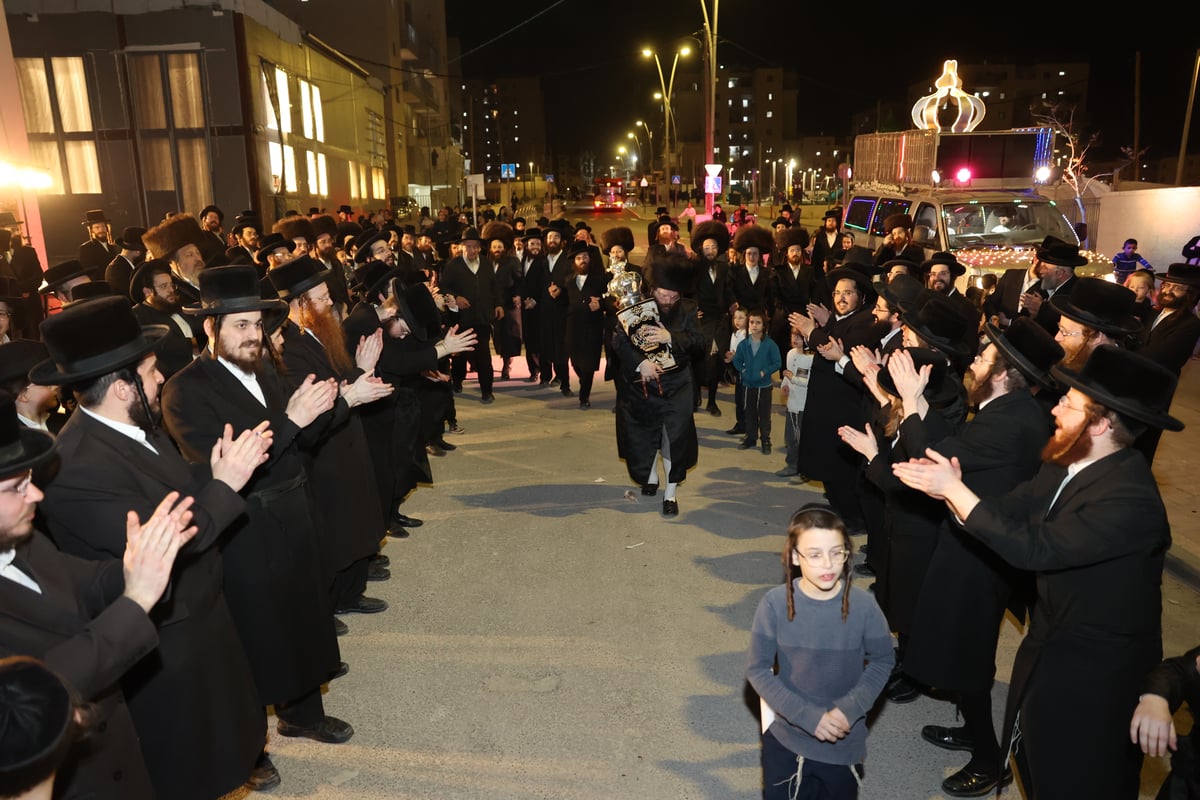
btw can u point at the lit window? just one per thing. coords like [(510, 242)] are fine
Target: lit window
[(66, 147), (285, 101), (322, 176), (187, 97), (770, 114), (732, 83), (378, 185), (353, 181), (731, 102), (311, 158), (770, 95), (362, 180), (35, 95), (71, 87), (283, 165), (745, 119), (745, 102)]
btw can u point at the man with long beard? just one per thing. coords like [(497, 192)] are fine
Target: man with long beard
[(339, 465), (534, 272), (1096, 312), (553, 302), (1092, 528), (273, 578), (153, 288), (113, 458)]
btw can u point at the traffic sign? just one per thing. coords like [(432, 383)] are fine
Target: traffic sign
[(712, 184), (508, 171), (675, 179), (644, 183), (550, 177)]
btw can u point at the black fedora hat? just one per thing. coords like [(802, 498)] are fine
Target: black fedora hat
[(902, 291), (407, 301), (21, 447), (37, 723), (532, 233), (131, 239), (61, 273), (578, 246), (362, 244), (374, 277), (1101, 305), (942, 386), (19, 356), (143, 277), (947, 259), (1126, 382), (852, 273), (936, 319), (1029, 347), (470, 234), (1059, 253), (860, 258), (270, 243), (9, 219), (90, 291), (94, 216), (232, 289), (87, 340), (1186, 274), (298, 276), (245, 220)]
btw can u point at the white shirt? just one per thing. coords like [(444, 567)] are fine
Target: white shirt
[(30, 423), (753, 273), (248, 379), (1166, 312), (1072, 471), (474, 267), (132, 431), (7, 570)]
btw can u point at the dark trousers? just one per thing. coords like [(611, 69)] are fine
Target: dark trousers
[(306, 711), (758, 414), (791, 437), (349, 584), (739, 404), (818, 781), (480, 359), (586, 378)]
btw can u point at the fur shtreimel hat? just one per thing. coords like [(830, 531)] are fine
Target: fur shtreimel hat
[(168, 237), (894, 221), (498, 230), (614, 237), (710, 229), (296, 228), (753, 236), (792, 237)]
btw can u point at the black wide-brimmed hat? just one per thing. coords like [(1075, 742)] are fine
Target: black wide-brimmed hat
[(131, 239), (59, 274), (143, 277), (204, 212), (781, 220), (832, 214), (861, 259), (1029, 347), (470, 234), (936, 320), (19, 356), (9, 220), (1126, 382), (298, 276), (270, 243), (245, 220), (1100, 305), (1186, 274), (232, 289), (21, 447), (372, 278), (944, 258), (1059, 253), (532, 233), (942, 386), (37, 723), (94, 216), (902, 291), (406, 300), (710, 229), (90, 291), (362, 244), (87, 340), (578, 246), (673, 273), (849, 272)]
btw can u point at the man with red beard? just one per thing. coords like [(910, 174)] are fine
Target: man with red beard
[(152, 287), (1096, 312), (339, 465), (1092, 528)]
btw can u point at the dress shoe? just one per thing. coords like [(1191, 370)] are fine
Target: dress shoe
[(364, 605), (458, 388), (786, 472), (406, 521), (670, 508), (504, 376), (766, 448), (798, 479), (566, 391), (544, 384), (902, 690), (339, 627), (531, 379), (456, 428), (488, 399), (966, 783), (864, 570), (712, 409), (745, 444), (343, 669), (377, 573), (381, 560), (434, 450), (948, 738), (649, 489), (584, 404), (554, 382), (264, 776), (442, 443), (398, 532), (330, 730), (736, 430)]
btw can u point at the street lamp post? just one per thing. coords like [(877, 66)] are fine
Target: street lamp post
[(710, 89), (668, 86), (649, 153)]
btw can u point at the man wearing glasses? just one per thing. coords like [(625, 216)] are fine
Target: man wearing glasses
[(1092, 528)]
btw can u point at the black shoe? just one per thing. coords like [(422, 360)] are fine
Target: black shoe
[(649, 489), (458, 388), (381, 560), (798, 479), (554, 382), (965, 783), (745, 444), (712, 409), (543, 384), (364, 605), (397, 532), (343, 669), (330, 730), (531, 379), (377, 573), (902, 690), (406, 521), (864, 570), (504, 376), (736, 430), (670, 508), (786, 472), (264, 776), (488, 399), (442, 443), (948, 738), (584, 404), (566, 392), (434, 450), (766, 448), (339, 627)]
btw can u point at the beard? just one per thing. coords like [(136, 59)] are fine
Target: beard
[(247, 356), (19, 533), (980, 390), (146, 419), (880, 329), (939, 285), (1075, 361), (328, 330), (165, 306), (1068, 447)]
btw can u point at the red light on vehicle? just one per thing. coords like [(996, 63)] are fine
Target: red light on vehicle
[(963, 175)]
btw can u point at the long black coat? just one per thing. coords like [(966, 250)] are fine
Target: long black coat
[(273, 577), (28, 270), (585, 328), (481, 290), (1096, 627), (89, 634), (1173, 341), (956, 623), (94, 255), (789, 293), (750, 294), (508, 278), (193, 700), (535, 274), (554, 309), (339, 465)]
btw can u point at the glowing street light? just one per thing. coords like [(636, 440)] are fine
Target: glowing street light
[(668, 86)]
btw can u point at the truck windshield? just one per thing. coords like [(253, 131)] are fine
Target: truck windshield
[(1004, 224)]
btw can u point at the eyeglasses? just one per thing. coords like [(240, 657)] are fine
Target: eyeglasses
[(1069, 334), (846, 293), (837, 556), (21, 487), (1062, 403), (5, 313), (979, 359)]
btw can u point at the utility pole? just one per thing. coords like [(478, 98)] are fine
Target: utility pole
[(710, 90)]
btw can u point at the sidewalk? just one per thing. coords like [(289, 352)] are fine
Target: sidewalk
[(1174, 467)]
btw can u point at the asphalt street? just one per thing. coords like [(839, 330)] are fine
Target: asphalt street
[(552, 636)]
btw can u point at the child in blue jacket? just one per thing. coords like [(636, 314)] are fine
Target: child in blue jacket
[(757, 359)]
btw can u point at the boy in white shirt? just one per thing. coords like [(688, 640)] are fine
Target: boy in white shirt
[(795, 391)]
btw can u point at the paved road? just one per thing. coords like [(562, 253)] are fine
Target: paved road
[(549, 637)]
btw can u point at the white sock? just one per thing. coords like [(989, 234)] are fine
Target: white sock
[(669, 494)]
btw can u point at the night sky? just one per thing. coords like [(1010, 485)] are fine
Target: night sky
[(594, 78)]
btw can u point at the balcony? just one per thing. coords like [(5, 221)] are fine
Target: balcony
[(418, 92), (408, 43)]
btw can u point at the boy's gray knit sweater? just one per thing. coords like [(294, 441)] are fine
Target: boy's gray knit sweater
[(823, 663)]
